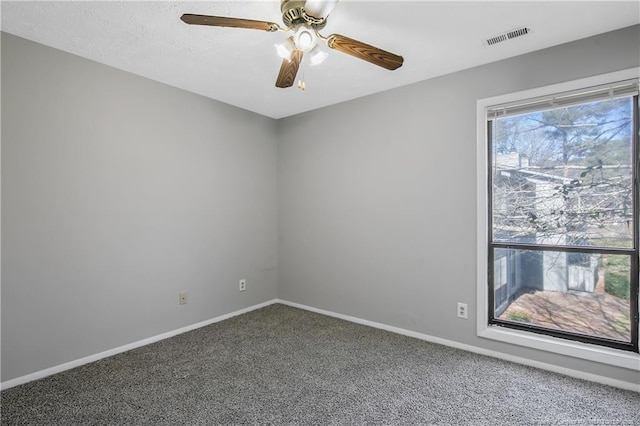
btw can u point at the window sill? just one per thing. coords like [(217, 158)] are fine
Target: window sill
[(609, 356)]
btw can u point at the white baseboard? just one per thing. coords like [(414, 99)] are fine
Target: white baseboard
[(544, 366), (519, 360), (91, 358)]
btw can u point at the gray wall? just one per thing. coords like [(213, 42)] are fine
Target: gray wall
[(377, 196), (118, 193)]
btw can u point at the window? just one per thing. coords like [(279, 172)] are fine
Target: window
[(561, 215)]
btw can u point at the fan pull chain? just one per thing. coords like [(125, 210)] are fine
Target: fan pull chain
[(301, 84)]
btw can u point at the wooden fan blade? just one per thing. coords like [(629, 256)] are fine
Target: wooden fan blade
[(289, 69), (220, 21), (364, 51)]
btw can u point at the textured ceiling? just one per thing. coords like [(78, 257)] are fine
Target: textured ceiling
[(239, 66)]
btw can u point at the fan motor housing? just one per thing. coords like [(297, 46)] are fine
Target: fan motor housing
[(293, 14)]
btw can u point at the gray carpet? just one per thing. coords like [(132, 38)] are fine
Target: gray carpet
[(281, 365)]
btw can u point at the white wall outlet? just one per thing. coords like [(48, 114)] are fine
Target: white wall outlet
[(462, 310), (182, 298), (242, 286)]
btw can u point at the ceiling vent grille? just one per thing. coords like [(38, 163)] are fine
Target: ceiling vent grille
[(518, 32)]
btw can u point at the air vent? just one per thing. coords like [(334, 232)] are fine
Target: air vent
[(518, 32)]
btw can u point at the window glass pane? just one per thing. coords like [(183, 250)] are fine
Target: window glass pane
[(583, 293), (563, 176)]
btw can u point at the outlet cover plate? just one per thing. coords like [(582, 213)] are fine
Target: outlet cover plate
[(463, 310)]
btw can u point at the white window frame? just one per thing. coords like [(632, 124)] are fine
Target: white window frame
[(591, 352)]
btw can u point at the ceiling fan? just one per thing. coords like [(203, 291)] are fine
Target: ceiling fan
[(304, 19)]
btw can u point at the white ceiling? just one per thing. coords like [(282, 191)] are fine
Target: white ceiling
[(239, 66)]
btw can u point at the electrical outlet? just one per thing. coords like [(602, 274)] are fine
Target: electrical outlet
[(182, 298), (242, 285), (462, 310)]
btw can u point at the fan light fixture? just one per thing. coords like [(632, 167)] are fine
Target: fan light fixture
[(319, 8), (305, 38), (318, 57), (285, 49)]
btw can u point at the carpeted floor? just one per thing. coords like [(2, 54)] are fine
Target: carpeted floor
[(281, 365)]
